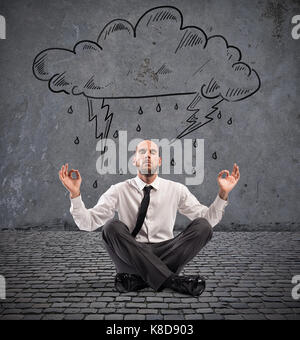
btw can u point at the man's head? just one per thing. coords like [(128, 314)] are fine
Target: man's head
[(147, 158)]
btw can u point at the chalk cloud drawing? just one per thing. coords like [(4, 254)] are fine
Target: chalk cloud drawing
[(156, 57)]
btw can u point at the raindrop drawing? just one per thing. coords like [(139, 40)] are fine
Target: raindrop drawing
[(76, 141), (140, 112), (116, 134), (154, 53), (214, 155), (138, 128), (195, 143), (95, 184), (70, 110), (219, 115), (229, 122), (172, 162)]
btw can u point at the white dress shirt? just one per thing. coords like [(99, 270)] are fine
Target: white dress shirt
[(166, 198)]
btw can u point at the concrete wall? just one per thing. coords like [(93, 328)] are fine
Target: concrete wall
[(45, 120)]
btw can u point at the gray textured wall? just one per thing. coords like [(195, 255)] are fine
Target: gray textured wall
[(38, 134)]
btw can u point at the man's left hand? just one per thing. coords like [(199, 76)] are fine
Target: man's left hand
[(228, 183)]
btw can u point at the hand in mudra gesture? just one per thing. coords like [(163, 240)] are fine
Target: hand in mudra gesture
[(70, 183), (228, 183)]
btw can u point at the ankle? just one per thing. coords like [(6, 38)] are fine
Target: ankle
[(168, 282)]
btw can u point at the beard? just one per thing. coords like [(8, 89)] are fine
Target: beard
[(148, 171)]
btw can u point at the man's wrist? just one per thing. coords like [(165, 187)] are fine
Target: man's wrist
[(74, 194), (223, 195)]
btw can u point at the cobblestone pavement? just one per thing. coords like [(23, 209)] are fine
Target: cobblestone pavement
[(68, 275)]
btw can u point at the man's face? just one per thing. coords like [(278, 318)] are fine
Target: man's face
[(147, 158)]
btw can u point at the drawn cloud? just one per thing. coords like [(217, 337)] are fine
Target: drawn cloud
[(156, 57)]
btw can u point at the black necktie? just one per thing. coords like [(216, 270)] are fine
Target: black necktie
[(143, 210)]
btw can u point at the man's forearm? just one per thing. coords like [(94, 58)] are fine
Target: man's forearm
[(223, 195)]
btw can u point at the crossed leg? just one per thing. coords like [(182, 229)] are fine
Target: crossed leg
[(154, 262)]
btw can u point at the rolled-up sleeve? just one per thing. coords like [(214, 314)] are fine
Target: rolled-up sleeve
[(92, 219), (192, 208)]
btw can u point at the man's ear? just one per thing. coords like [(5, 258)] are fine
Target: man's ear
[(159, 163), (134, 160)]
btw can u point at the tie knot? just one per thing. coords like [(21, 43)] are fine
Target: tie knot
[(148, 189)]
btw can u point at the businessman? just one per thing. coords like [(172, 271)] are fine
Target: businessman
[(141, 242)]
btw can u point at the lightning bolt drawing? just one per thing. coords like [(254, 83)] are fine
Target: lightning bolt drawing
[(108, 118), (192, 120)]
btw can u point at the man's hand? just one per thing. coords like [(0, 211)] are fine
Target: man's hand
[(70, 183), (228, 183)]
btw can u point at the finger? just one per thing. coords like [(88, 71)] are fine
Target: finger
[(66, 169), (237, 174), (78, 173), (222, 172), (63, 171), (234, 170), (70, 173), (237, 171)]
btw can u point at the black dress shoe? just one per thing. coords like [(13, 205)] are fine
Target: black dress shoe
[(125, 282), (193, 285)]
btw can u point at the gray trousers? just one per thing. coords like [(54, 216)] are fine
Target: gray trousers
[(154, 262)]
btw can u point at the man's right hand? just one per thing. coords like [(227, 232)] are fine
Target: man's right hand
[(70, 183)]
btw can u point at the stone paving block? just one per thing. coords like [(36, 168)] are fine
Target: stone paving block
[(213, 317), (134, 317), (238, 305), (98, 304), (127, 310), (292, 317), (32, 317), (105, 299), (193, 316), (137, 305), (53, 310), (274, 317), (254, 317), (148, 311), (179, 305), (53, 317), (173, 317), (114, 317), (233, 317), (74, 316), (123, 298), (204, 310), (107, 310), (94, 317), (72, 311), (168, 311), (154, 317), (157, 299), (138, 299)]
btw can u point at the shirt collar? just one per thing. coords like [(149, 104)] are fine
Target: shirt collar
[(141, 184)]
